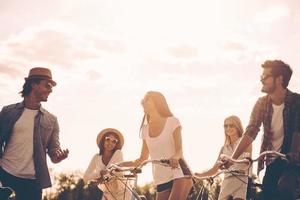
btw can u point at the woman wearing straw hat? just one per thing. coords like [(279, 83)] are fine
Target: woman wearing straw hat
[(110, 142)]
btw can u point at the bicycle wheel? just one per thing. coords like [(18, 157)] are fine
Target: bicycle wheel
[(135, 195)]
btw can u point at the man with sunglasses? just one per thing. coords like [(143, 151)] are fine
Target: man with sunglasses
[(279, 113), (27, 133)]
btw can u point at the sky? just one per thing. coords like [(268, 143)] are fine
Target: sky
[(204, 56)]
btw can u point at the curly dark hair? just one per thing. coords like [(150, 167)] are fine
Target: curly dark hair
[(27, 87)]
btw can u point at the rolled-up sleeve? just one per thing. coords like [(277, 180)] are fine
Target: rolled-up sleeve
[(54, 139), (255, 119)]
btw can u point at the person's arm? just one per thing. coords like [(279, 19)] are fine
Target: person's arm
[(296, 136), (213, 170), (174, 160), (243, 146), (91, 172), (1, 136), (252, 129), (144, 156), (296, 143), (55, 153), (116, 159), (209, 172), (294, 154)]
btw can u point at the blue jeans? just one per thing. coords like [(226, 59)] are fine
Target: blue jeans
[(280, 181), (24, 189)]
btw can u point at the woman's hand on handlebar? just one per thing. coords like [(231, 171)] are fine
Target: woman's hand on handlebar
[(103, 172), (174, 162)]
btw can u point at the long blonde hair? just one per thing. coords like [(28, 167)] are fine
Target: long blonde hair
[(237, 124), (160, 104)]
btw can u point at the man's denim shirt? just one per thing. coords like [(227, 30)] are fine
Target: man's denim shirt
[(45, 137)]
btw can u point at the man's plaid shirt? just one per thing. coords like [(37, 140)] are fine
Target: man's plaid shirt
[(262, 114)]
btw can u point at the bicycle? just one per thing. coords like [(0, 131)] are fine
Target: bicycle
[(5, 192), (252, 186), (130, 174)]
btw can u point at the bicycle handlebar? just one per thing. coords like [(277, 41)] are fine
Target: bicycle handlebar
[(210, 178), (116, 167), (134, 170), (249, 160)]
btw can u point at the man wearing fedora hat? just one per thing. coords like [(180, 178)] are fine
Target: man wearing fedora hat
[(27, 133)]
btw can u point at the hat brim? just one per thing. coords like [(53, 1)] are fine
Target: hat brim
[(53, 83), (109, 130)]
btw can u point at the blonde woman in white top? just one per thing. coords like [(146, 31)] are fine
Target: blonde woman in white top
[(110, 142), (161, 134), (232, 186)]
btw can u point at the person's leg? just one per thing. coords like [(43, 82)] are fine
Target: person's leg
[(164, 190), (28, 190), (288, 183), (270, 180), (181, 188), (24, 188), (163, 195)]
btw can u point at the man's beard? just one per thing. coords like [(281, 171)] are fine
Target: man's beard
[(269, 90)]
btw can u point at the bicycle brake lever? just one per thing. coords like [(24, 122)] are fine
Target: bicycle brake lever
[(210, 180), (165, 161), (136, 171)]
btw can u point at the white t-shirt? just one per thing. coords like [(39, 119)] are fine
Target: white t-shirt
[(116, 187), (18, 154), (163, 147), (277, 127)]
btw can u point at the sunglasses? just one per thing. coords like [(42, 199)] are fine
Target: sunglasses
[(48, 86), (114, 141), (264, 77), (228, 126)]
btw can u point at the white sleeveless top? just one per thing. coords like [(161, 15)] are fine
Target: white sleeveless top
[(163, 147)]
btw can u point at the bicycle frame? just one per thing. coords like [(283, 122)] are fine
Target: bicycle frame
[(246, 160), (133, 175), (5, 192)]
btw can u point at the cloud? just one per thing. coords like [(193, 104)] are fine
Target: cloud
[(184, 52), (109, 45), (10, 69), (273, 13), (47, 46), (94, 75)]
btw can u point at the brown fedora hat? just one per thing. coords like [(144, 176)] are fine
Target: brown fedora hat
[(111, 130), (42, 73)]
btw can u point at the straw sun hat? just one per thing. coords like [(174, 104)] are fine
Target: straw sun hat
[(111, 130)]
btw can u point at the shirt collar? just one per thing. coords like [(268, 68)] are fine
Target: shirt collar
[(21, 105)]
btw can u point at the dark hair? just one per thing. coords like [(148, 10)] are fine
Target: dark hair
[(27, 87), (101, 143), (279, 68)]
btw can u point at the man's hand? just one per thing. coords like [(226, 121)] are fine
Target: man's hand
[(59, 155)]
